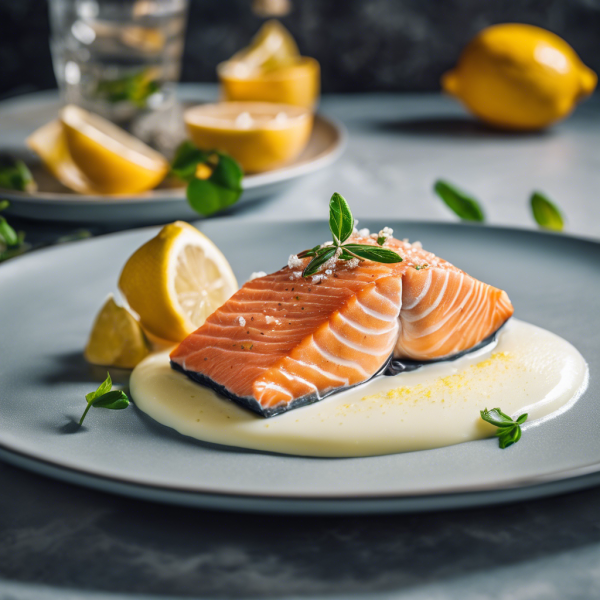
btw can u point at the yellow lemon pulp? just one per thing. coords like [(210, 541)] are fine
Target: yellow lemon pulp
[(114, 161), (271, 69), (175, 281), (259, 135), (519, 76), (116, 340)]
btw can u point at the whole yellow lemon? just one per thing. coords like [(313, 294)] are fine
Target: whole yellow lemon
[(518, 76)]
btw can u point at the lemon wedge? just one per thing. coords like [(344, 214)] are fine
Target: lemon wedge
[(175, 281), (116, 340), (271, 69), (114, 161), (259, 135), (272, 47), (518, 76)]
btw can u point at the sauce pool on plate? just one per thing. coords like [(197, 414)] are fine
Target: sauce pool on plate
[(527, 370)]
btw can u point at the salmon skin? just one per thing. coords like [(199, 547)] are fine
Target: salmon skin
[(284, 341)]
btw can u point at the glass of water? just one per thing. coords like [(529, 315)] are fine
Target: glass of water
[(118, 58)]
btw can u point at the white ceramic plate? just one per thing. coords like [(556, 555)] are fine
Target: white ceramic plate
[(54, 202), (49, 299)]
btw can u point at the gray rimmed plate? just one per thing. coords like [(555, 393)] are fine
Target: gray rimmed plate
[(53, 202), (49, 299)]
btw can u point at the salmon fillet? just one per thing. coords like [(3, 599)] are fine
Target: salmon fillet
[(283, 341)]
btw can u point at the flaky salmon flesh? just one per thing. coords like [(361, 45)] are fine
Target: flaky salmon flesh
[(283, 341)]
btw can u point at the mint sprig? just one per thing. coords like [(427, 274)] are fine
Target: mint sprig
[(546, 213), (341, 224), (217, 191), (14, 175), (103, 397), (459, 202), (509, 430)]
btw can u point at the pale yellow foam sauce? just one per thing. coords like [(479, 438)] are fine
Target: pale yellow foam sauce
[(528, 370)]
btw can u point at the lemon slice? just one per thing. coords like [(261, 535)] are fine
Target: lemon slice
[(176, 280), (116, 340), (259, 135), (112, 160), (50, 144), (272, 47)]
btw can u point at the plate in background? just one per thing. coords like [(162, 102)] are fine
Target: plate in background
[(54, 202), (49, 300)]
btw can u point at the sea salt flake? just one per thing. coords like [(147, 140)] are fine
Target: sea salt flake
[(257, 275), (353, 263), (318, 278), (270, 320), (294, 262), (364, 232), (241, 321)]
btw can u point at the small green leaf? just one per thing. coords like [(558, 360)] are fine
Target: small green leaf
[(463, 205), (546, 213), (219, 191), (14, 175), (341, 221), (497, 418), (187, 158), (509, 430), (115, 400), (319, 260), (311, 252), (374, 253), (103, 388), (8, 234), (4, 204), (135, 88)]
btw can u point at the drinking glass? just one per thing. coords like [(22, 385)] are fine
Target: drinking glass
[(118, 58)]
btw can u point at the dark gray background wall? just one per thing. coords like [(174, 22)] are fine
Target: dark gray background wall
[(361, 44)]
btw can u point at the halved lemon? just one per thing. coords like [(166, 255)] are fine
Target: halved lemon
[(116, 340), (259, 135), (176, 280), (113, 161), (271, 69)]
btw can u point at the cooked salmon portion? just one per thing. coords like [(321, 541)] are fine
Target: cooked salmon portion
[(283, 341)]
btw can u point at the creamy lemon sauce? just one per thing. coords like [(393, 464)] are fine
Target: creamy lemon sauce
[(528, 370)]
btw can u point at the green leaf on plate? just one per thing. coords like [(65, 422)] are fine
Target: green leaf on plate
[(186, 160), (463, 205), (103, 397), (546, 213), (509, 430)]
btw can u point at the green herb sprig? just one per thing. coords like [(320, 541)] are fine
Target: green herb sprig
[(14, 175), (103, 397), (546, 213), (463, 205), (221, 189), (11, 242), (136, 88), (341, 224), (509, 431)]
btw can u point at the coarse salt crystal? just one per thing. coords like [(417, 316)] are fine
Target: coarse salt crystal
[(317, 278), (294, 262), (417, 245), (270, 320), (353, 263), (241, 321), (364, 232), (257, 275)]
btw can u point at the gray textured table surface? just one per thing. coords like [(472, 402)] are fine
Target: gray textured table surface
[(58, 541)]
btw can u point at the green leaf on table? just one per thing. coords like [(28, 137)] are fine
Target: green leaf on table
[(374, 253), (14, 175), (341, 221), (103, 397), (463, 205), (509, 430), (546, 213)]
